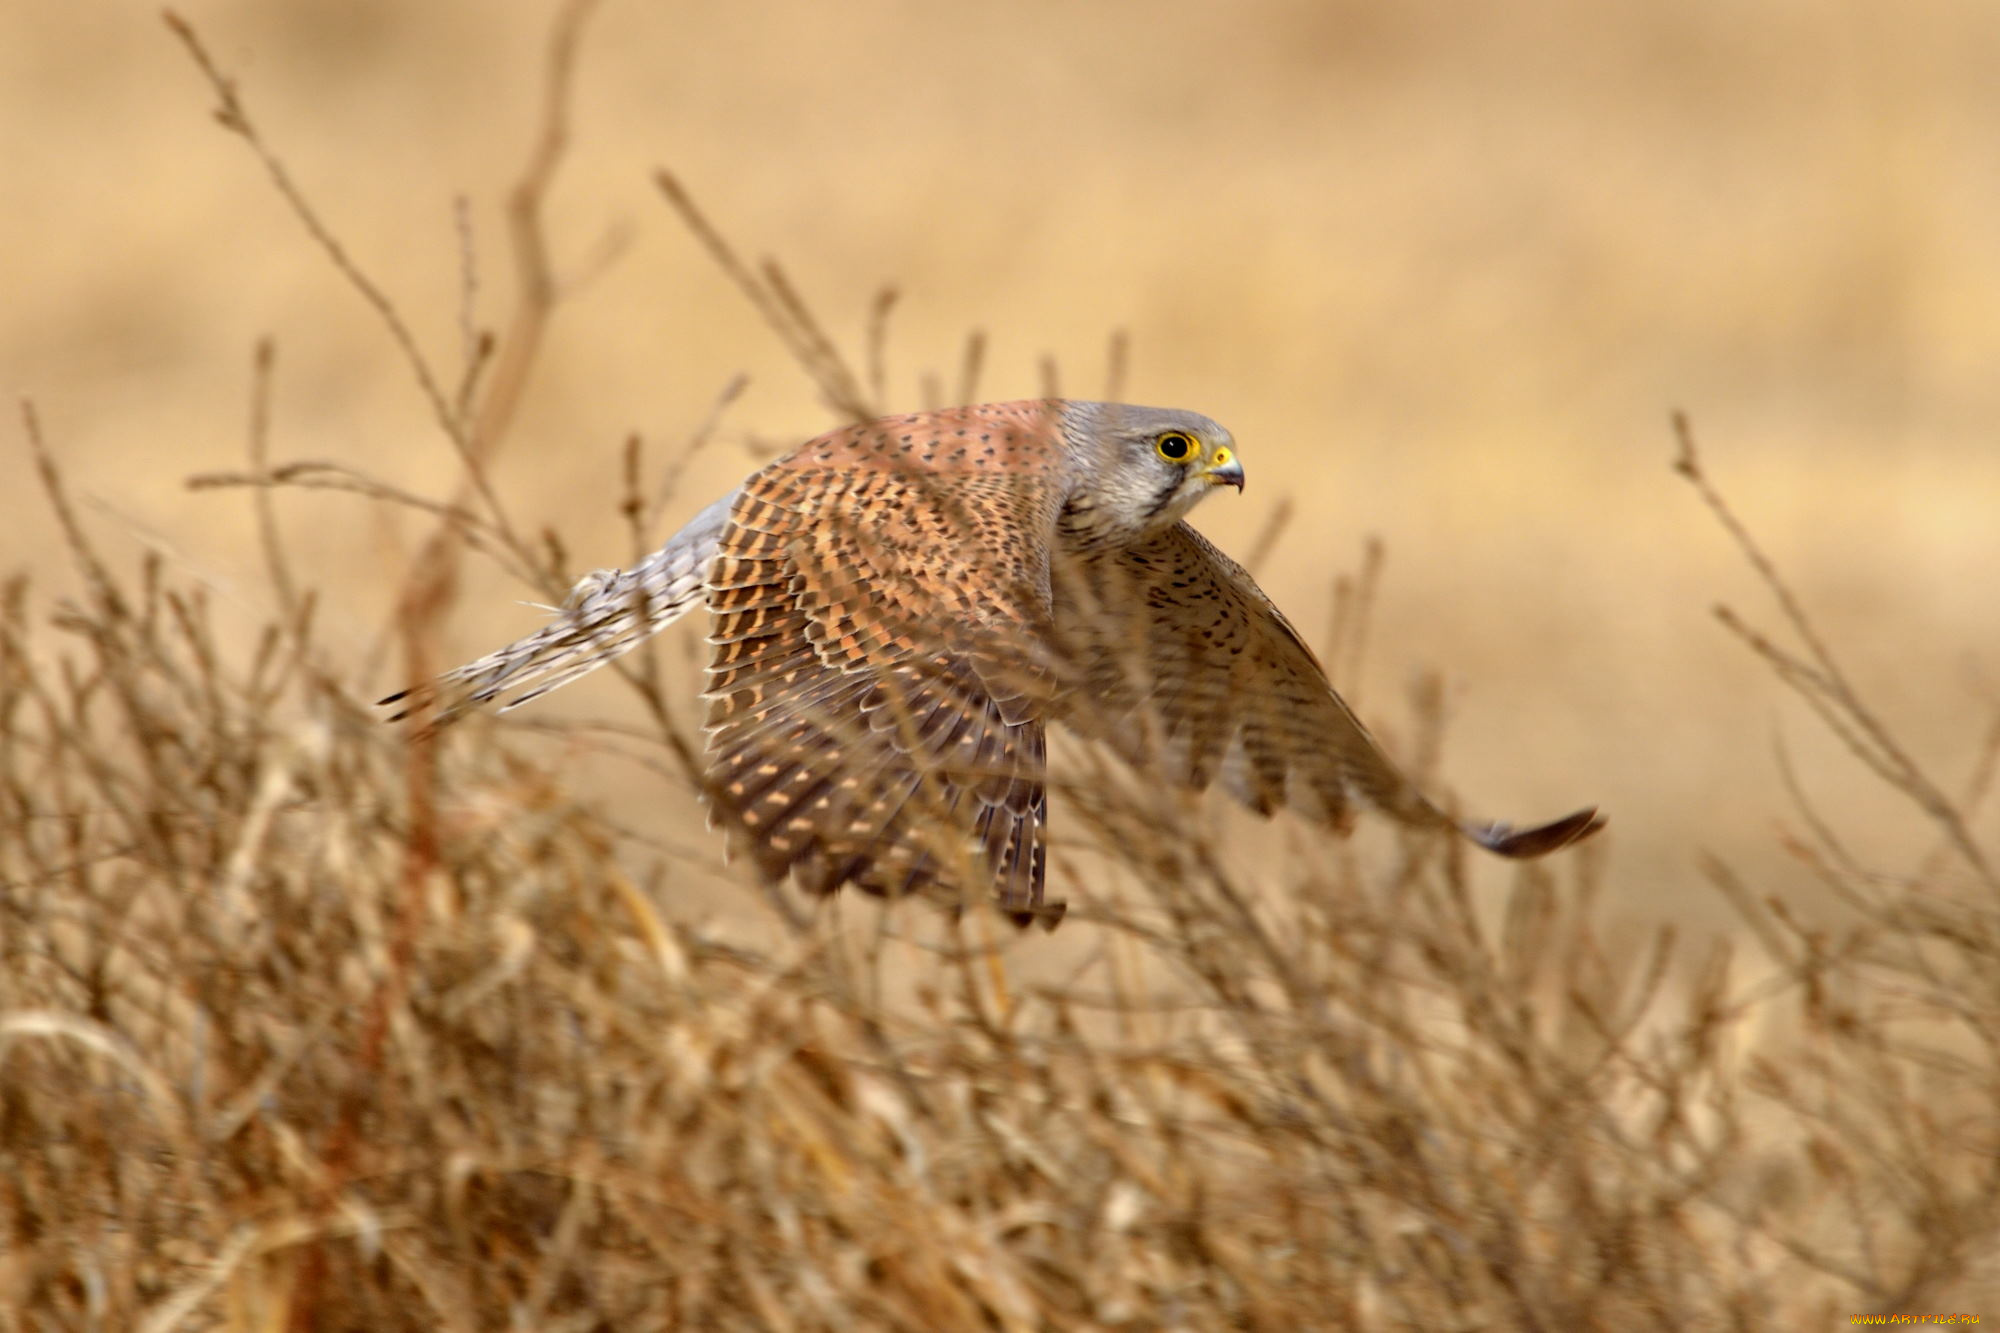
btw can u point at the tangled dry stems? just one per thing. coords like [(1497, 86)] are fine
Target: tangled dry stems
[(263, 1061), (302, 1025)]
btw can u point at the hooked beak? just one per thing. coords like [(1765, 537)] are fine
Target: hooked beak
[(1227, 472)]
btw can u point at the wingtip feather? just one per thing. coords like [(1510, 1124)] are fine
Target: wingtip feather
[(1047, 915), (1524, 843)]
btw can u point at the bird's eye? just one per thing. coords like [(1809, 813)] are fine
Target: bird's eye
[(1175, 447)]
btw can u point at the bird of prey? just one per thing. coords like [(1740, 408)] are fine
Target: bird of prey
[(897, 610)]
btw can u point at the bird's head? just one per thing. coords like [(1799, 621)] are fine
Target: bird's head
[(1147, 466)]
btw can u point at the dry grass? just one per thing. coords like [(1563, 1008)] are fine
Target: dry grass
[(284, 1046), (306, 1024)]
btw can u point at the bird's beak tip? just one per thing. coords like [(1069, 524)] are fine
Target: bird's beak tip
[(1229, 474)]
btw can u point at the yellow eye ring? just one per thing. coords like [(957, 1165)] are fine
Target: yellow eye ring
[(1176, 446)]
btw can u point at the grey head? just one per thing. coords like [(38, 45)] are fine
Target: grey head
[(1141, 469)]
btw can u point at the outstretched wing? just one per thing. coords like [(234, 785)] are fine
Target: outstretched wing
[(1183, 659), (875, 701), (607, 615)]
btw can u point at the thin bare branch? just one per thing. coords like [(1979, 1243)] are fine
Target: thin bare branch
[(878, 343), (1843, 709), (275, 563), (773, 297), (1117, 358), (698, 440), (233, 116), (971, 362)]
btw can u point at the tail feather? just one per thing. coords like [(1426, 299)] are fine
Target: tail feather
[(606, 615)]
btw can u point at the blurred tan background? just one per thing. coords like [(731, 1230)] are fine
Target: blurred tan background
[(1443, 267)]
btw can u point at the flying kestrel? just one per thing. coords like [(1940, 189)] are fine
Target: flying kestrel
[(898, 609)]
